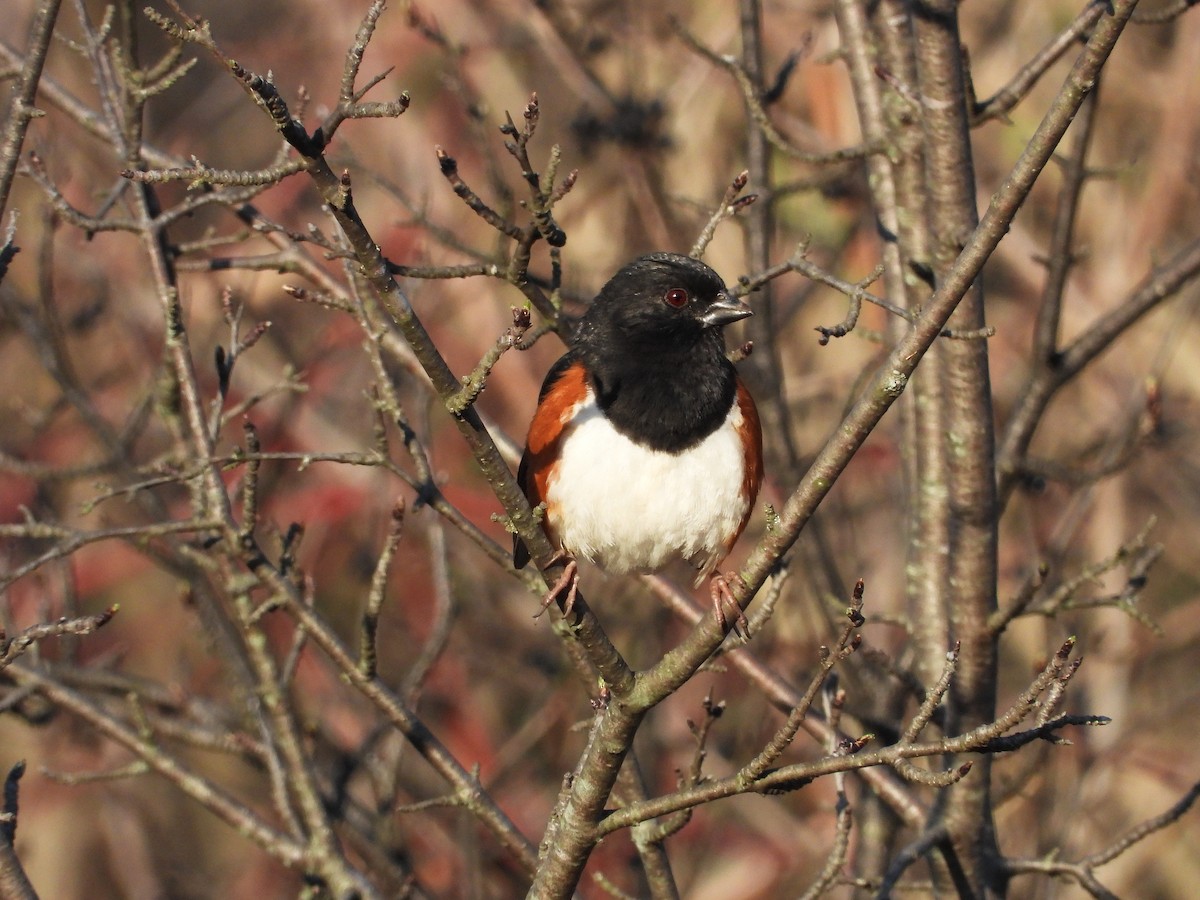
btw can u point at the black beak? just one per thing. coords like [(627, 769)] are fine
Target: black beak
[(725, 310)]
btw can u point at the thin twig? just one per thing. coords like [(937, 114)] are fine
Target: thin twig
[(367, 656)]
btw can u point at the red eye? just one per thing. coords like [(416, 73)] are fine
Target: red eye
[(676, 297)]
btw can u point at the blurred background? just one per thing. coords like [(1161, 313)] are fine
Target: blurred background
[(656, 132)]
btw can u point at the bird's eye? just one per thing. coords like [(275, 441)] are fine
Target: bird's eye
[(676, 297)]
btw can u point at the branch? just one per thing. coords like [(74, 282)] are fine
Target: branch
[(752, 97), (473, 384), (847, 643), (199, 177), (989, 738), (1083, 871), (889, 380), (367, 659), (349, 105), (22, 111), (1023, 81), (10, 650), (856, 292), (731, 204), (280, 846), (336, 192), (785, 698), (1162, 282)]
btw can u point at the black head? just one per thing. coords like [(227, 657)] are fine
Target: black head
[(652, 343), (663, 302)]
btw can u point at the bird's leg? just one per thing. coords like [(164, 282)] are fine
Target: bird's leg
[(568, 581), (722, 596)]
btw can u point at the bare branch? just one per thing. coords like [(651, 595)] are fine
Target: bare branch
[(731, 203), (1024, 80), (752, 97), (11, 649), (367, 659), (41, 28)]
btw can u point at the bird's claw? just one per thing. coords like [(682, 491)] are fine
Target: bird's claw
[(722, 596), (568, 581)]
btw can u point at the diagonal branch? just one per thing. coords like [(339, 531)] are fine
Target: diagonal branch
[(1161, 283), (22, 111)]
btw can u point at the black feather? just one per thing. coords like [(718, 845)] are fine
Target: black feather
[(660, 374)]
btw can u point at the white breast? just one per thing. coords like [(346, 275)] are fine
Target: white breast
[(629, 508)]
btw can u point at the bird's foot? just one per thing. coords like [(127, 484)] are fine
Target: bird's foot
[(568, 583), (722, 597)]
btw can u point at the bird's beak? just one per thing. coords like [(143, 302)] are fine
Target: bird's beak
[(727, 309)]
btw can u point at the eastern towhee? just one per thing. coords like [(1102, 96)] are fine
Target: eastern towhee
[(646, 446)]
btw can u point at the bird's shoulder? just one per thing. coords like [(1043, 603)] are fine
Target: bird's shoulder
[(563, 389), (565, 386)]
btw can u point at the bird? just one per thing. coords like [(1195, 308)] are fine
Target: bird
[(645, 447)]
